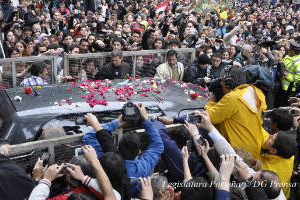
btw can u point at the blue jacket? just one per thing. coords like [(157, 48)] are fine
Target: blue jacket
[(142, 166), (172, 156)]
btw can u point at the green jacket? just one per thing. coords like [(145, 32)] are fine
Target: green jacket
[(292, 66)]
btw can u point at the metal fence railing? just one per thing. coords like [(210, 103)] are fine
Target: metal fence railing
[(59, 149), (85, 66), (143, 63), (14, 70)]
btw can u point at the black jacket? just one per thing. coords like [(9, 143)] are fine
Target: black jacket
[(195, 74), (108, 71), (14, 182)]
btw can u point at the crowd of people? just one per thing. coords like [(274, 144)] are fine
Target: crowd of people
[(249, 60)]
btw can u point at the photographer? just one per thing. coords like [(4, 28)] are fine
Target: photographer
[(137, 163), (83, 175), (277, 157), (238, 112), (198, 72)]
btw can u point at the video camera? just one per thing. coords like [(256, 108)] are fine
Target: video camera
[(130, 112), (216, 88)]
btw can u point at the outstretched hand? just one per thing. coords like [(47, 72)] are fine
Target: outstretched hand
[(146, 188), (53, 172), (143, 111), (205, 121), (93, 121), (202, 150), (192, 128)]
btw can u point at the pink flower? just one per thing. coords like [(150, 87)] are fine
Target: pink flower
[(69, 90), (83, 97), (71, 84), (143, 94)]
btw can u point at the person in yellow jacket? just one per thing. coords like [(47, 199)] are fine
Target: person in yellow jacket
[(237, 116), (238, 113), (279, 157), (291, 76)]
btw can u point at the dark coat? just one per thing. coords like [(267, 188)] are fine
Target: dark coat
[(108, 71), (14, 182), (194, 73)]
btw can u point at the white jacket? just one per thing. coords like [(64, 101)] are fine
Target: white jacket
[(164, 71)]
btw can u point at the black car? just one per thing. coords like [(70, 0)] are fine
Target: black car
[(24, 116)]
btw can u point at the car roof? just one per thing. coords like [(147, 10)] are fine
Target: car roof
[(174, 97)]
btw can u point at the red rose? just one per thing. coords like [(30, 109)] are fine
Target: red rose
[(194, 95), (27, 90)]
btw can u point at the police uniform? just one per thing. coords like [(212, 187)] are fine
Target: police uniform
[(290, 83)]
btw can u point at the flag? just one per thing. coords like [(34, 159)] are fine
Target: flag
[(162, 7)]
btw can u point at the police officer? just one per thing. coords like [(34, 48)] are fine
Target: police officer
[(291, 79)]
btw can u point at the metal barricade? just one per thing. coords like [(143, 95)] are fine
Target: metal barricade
[(14, 70), (143, 63), (86, 66), (61, 149)]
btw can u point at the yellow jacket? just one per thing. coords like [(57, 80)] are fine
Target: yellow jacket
[(283, 167), (237, 121)]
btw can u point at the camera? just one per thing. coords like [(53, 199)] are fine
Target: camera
[(293, 112), (201, 81), (194, 119), (216, 89), (130, 112), (190, 144), (78, 152), (80, 121), (201, 141), (46, 158)]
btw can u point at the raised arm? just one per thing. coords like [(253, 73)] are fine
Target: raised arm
[(103, 180), (202, 150), (220, 143), (152, 154), (185, 160)]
